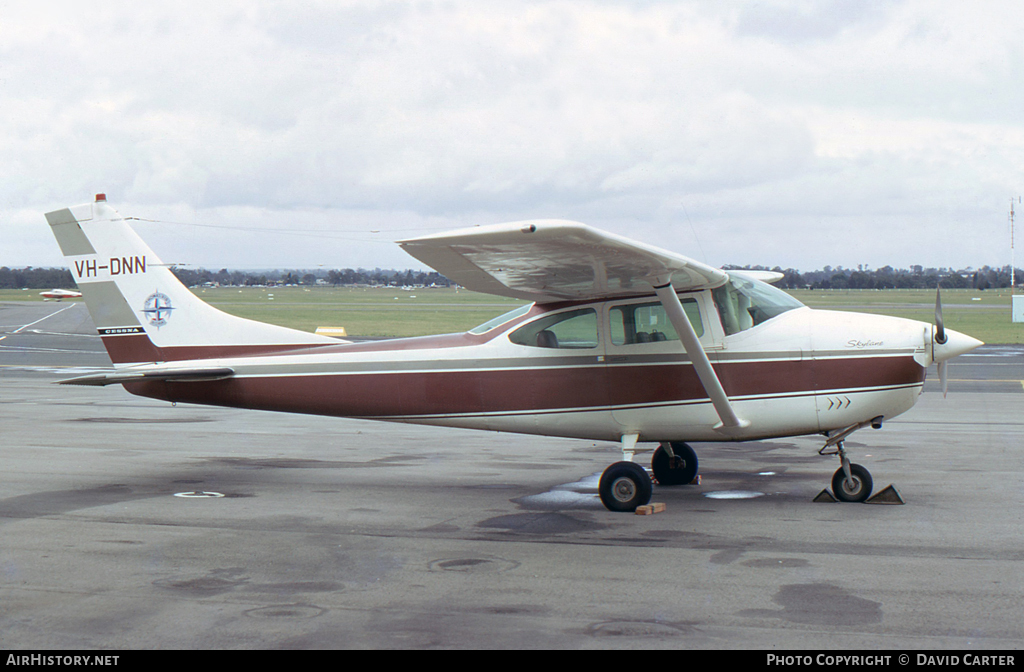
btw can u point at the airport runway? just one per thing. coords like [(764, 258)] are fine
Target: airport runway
[(337, 533)]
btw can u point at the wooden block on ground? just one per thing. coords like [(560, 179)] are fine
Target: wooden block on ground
[(650, 509)]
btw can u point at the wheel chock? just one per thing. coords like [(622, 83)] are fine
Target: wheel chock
[(889, 495), (650, 509), (696, 480), (825, 497)]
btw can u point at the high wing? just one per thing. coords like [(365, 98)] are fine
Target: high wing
[(552, 260), (555, 260)]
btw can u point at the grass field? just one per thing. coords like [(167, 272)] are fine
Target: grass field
[(363, 311), (982, 314), (373, 312)]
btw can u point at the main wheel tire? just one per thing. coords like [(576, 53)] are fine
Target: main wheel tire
[(678, 470), (858, 490), (625, 486)]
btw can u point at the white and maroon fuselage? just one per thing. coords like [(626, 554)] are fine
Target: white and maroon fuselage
[(595, 357), (802, 372)]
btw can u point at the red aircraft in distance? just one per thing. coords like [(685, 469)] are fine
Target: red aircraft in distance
[(59, 294), (620, 341)]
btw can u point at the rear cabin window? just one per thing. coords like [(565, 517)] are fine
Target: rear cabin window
[(648, 322), (576, 329)]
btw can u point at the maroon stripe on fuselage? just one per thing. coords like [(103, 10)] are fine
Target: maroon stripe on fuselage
[(518, 390), (786, 377)]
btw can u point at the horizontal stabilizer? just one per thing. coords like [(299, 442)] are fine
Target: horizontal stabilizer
[(179, 375)]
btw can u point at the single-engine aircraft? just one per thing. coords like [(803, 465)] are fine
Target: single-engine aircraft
[(621, 341), (59, 294)]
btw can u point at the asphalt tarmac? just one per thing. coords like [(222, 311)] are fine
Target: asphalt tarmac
[(333, 533)]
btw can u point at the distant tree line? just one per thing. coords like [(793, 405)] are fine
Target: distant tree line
[(887, 277), (35, 278), (348, 276), (50, 278)]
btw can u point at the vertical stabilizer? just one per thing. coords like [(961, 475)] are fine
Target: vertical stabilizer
[(141, 310)]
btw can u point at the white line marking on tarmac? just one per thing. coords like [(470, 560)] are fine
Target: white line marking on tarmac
[(44, 318), (28, 348), (79, 370)]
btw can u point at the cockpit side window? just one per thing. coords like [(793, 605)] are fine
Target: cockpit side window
[(574, 329), (744, 303), (648, 322)]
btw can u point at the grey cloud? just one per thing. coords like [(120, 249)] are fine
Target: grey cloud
[(764, 125)]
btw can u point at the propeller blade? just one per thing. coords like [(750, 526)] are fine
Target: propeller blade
[(943, 378), (940, 331)]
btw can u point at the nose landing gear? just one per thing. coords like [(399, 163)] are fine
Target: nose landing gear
[(851, 482)]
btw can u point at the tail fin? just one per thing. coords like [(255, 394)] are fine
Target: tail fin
[(142, 312)]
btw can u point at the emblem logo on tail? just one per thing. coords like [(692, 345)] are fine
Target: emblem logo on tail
[(157, 309)]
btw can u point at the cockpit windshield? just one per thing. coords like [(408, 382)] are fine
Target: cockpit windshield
[(744, 302)]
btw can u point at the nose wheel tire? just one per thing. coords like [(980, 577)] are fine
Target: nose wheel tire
[(625, 486), (678, 470), (857, 488)]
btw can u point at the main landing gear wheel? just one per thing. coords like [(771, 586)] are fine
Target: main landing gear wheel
[(625, 486), (857, 488), (678, 470)]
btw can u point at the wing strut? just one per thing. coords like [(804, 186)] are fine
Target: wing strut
[(701, 364)]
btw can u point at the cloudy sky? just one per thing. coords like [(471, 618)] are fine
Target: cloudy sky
[(266, 134)]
